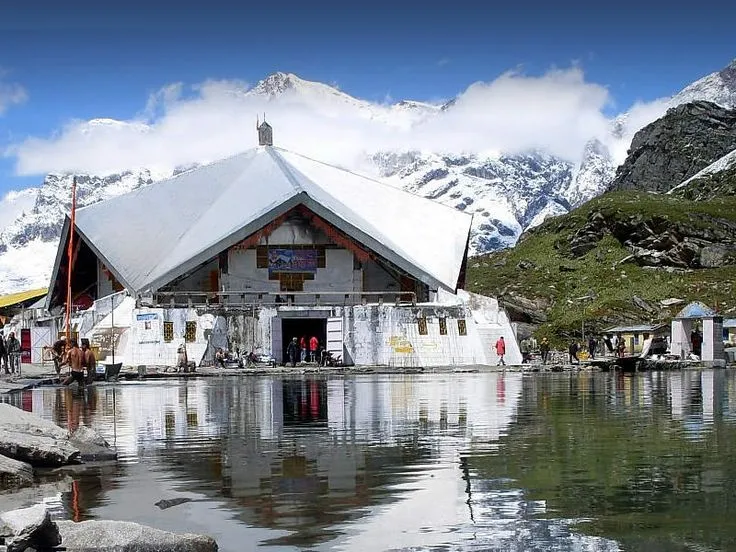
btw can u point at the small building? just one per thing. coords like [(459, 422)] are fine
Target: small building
[(15, 303), (698, 329), (635, 335), (268, 245)]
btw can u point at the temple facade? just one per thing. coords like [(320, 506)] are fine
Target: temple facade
[(248, 252)]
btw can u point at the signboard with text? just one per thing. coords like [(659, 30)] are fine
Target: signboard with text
[(292, 260)]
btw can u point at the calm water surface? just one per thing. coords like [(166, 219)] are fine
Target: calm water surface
[(474, 461)]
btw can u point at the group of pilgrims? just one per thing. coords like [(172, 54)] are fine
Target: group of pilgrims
[(79, 360)]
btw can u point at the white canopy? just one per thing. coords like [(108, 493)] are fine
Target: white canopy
[(156, 233)]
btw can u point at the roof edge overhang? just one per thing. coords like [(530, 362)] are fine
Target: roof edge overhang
[(57, 261), (60, 255)]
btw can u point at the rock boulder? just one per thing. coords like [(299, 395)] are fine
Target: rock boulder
[(29, 528), (15, 419), (37, 450), (14, 473), (124, 536)]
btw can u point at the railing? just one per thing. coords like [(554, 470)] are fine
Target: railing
[(239, 299)]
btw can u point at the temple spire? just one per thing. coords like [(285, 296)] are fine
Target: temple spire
[(265, 132)]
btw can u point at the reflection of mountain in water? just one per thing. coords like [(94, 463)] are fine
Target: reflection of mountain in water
[(648, 460), (486, 461)]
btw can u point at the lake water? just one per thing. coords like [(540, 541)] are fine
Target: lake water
[(471, 461)]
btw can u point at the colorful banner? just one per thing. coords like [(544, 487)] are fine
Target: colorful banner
[(292, 260)]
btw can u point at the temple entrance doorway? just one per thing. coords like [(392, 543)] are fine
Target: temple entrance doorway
[(303, 328)]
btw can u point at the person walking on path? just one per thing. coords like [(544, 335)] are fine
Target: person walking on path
[(500, 351), (524, 346), (592, 345), (13, 347), (573, 352), (544, 349)]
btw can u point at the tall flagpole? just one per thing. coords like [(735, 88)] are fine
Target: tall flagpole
[(70, 254)]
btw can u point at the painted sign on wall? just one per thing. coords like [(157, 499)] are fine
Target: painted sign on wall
[(149, 330), (292, 260)]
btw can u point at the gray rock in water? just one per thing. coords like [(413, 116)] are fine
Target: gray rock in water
[(92, 446), (29, 528), (14, 473), (124, 536), (88, 436), (37, 449), (171, 502)]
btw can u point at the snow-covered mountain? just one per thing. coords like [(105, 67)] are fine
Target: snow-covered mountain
[(506, 193)]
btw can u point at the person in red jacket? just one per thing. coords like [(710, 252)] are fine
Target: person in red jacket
[(313, 346), (501, 351), (303, 348)]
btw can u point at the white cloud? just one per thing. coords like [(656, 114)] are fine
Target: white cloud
[(638, 116), (11, 93), (559, 112), (15, 203)]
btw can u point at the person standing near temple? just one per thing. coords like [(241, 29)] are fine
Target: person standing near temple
[(57, 354), (292, 351), (3, 354), (544, 349), (75, 360), (303, 347), (500, 351), (88, 360), (313, 346), (13, 347)]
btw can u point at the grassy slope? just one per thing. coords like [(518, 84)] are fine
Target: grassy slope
[(597, 271)]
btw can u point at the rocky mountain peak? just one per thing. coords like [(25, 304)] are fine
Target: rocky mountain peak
[(661, 154), (276, 84)]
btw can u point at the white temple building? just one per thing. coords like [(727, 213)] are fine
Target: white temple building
[(253, 250)]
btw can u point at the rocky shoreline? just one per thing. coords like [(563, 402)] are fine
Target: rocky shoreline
[(33, 530), (29, 443)]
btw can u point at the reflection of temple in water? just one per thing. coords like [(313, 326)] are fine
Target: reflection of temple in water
[(302, 454), (306, 454)]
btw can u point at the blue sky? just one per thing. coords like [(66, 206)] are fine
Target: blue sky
[(81, 60)]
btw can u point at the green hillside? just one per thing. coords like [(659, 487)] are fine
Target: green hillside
[(580, 266)]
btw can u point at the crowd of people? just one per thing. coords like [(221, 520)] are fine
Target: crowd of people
[(594, 347)]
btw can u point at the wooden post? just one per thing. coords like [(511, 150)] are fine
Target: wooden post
[(70, 260)]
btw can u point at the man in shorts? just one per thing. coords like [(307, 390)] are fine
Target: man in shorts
[(75, 360), (88, 360)]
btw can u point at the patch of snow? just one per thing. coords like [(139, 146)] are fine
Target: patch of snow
[(552, 209), (722, 164), (27, 267)]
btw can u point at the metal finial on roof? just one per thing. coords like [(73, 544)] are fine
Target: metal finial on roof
[(265, 132)]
